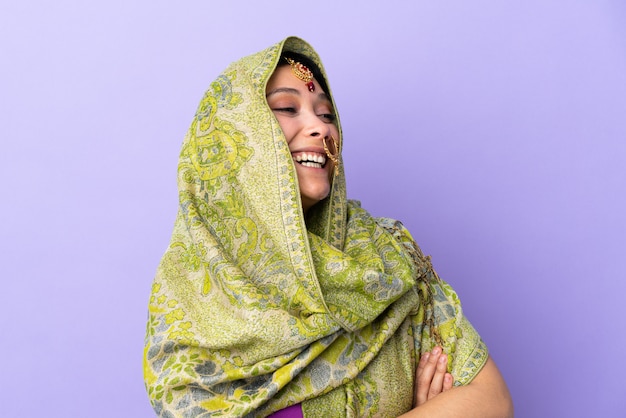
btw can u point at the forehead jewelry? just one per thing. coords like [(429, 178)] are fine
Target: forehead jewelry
[(334, 157), (302, 72)]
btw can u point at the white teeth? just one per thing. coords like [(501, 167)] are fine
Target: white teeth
[(310, 159), (310, 164)]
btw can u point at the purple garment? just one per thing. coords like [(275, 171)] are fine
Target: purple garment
[(293, 411)]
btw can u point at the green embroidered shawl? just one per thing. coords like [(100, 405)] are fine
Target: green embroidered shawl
[(251, 311)]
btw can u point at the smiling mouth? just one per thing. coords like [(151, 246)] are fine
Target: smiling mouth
[(308, 159)]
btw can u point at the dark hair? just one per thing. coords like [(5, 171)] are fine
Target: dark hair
[(307, 62)]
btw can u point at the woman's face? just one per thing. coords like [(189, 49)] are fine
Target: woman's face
[(306, 118)]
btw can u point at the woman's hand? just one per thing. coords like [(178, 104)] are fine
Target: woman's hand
[(486, 396), (432, 377)]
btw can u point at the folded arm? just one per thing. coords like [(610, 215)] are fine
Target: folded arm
[(485, 396)]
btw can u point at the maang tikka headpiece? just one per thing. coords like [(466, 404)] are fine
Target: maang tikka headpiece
[(302, 72)]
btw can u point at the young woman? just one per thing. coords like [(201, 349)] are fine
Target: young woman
[(277, 294)]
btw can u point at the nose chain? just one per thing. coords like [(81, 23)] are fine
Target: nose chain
[(334, 157)]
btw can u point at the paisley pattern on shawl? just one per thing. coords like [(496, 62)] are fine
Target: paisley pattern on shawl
[(251, 311)]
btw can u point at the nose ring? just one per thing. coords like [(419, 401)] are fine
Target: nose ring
[(333, 157)]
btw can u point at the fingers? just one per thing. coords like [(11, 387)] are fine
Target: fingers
[(432, 377), (441, 367), (448, 382), (422, 382)]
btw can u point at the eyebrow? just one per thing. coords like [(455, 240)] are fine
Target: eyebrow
[(283, 90), (290, 90)]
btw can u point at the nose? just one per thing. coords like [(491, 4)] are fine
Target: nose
[(316, 127)]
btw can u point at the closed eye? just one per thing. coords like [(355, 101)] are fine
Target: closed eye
[(328, 117), (285, 109)]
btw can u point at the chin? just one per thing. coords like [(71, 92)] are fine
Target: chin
[(316, 197), (310, 200)]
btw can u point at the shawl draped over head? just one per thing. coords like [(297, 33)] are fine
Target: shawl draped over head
[(252, 310)]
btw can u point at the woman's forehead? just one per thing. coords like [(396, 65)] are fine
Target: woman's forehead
[(284, 81)]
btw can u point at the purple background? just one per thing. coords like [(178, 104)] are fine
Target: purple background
[(495, 130)]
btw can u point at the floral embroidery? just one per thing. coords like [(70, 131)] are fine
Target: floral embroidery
[(253, 310)]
